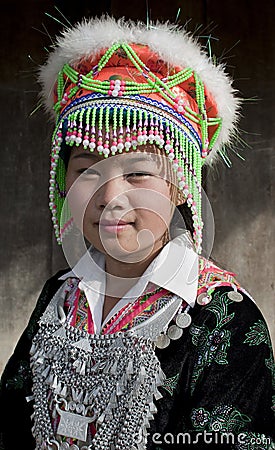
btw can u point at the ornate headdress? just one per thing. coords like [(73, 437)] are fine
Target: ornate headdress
[(150, 84)]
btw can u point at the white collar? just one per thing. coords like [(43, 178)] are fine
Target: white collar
[(175, 269)]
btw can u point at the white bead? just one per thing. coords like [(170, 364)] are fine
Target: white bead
[(85, 142), (180, 109), (120, 146), (181, 184), (167, 147), (113, 148), (134, 143), (171, 156), (181, 102), (127, 144), (115, 93), (106, 151), (161, 141), (140, 138), (151, 137), (92, 145), (78, 140), (100, 148)]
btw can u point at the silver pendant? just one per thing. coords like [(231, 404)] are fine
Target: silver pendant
[(174, 332), (203, 299), (235, 296), (162, 341), (183, 320), (73, 425)]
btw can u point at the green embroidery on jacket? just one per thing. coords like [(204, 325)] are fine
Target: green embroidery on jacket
[(257, 335), (170, 384), (212, 344), (222, 418)]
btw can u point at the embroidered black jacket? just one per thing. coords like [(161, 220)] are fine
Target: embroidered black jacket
[(219, 390)]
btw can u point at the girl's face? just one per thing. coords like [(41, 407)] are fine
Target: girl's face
[(123, 204)]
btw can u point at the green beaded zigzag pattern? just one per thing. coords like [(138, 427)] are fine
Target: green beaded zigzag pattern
[(151, 84)]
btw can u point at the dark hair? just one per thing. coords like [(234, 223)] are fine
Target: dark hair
[(186, 214)]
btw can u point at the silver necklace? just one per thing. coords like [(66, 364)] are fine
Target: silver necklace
[(111, 380)]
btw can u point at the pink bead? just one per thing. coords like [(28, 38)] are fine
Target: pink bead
[(109, 92), (120, 93), (189, 196)]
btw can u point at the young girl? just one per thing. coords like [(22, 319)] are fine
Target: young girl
[(143, 342)]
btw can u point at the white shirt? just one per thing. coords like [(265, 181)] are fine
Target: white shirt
[(175, 268)]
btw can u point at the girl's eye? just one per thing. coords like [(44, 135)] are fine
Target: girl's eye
[(86, 171), (138, 175)]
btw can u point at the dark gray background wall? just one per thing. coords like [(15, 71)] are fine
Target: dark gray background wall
[(242, 197)]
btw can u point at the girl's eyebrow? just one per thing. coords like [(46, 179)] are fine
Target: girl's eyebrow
[(85, 155), (145, 157)]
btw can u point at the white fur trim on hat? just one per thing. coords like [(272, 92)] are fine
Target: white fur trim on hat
[(172, 43)]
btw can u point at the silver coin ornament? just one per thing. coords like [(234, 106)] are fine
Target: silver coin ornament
[(235, 296), (174, 332), (203, 299), (162, 341), (183, 320)]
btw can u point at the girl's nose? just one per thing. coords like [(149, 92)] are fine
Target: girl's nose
[(112, 195)]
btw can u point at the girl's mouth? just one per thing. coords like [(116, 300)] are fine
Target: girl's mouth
[(113, 226)]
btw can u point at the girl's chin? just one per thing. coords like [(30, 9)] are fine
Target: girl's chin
[(125, 253)]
